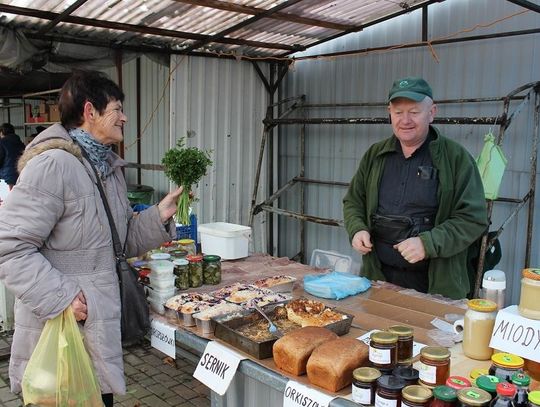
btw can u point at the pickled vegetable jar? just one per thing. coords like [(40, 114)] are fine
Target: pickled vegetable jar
[(211, 269), (195, 270), (188, 245), (477, 329), (529, 305), (181, 271)]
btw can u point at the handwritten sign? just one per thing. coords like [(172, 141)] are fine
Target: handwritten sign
[(417, 346), (298, 395), (163, 338), (515, 334), (217, 367)]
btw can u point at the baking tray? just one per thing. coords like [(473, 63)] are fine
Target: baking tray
[(226, 330)]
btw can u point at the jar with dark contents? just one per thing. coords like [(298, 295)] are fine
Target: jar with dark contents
[(473, 397), (505, 395), (522, 382), (444, 396), (211, 269), (389, 391), (383, 350), (415, 396), (407, 373), (195, 270), (181, 271), (434, 366), (504, 365), (488, 383), (405, 343), (458, 382), (364, 385)]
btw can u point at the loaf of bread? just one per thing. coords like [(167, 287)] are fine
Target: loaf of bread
[(332, 363), (292, 351)]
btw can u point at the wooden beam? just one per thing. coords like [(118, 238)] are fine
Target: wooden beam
[(47, 15), (242, 9), (61, 16)]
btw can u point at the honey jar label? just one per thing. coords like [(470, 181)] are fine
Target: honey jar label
[(426, 373), (380, 356)]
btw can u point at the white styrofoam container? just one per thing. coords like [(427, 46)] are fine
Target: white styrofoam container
[(227, 240)]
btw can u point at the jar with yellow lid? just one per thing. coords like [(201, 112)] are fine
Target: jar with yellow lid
[(504, 365), (364, 385), (476, 373), (529, 305), (534, 398), (434, 366), (383, 350), (478, 326), (405, 343), (473, 397), (416, 396), (188, 245)]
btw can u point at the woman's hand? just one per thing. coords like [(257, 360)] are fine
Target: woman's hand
[(167, 206), (79, 307)]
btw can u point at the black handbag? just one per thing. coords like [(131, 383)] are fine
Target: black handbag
[(135, 319)]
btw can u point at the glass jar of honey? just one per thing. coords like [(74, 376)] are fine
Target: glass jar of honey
[(444, 396), (529, 306), (364, 385), (405, 342), (473, 397), (434, 366), (478, 327), (415, 396), (504, 365), (383, 350)]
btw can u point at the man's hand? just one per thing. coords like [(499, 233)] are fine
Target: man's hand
[(167, 206), (361, 242), (412, 249), (79, 307)]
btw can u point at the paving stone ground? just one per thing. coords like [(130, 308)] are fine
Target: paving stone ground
[(152, 379)]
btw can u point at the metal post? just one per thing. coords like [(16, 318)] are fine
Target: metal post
[(532, 181)]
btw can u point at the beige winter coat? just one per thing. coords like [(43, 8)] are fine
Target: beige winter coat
[(55, 241)]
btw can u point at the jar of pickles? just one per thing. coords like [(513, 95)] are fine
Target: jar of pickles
[(178, 254), (478, 326), (195, 269), (211, 269), (383, 350), (188, 245), (529, 306), (444, 396), (504, 365), (181, 271), (473, 397), (364, 385), (434, 366), (405, 343), (415, 396)]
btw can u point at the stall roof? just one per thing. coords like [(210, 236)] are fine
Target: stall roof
[(255, 28)]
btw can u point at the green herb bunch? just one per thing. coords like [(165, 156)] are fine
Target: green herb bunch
[(185, 166)]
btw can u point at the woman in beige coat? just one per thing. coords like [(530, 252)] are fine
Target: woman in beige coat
[(55, 241)]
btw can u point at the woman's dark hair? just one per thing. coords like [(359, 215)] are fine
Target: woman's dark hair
[(92, 86)]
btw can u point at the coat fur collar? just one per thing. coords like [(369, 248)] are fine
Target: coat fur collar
[(50, 144)]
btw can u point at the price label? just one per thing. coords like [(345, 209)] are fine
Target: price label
[(298, 395), (217, 367), (163, 338)]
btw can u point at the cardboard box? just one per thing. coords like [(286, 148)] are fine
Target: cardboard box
[(42, 107), (54, 113)]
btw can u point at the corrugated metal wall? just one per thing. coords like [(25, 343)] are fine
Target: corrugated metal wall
[(463, 70), (219, 105)]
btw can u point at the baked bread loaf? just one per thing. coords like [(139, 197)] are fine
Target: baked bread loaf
[(332, 363), (292, 351)]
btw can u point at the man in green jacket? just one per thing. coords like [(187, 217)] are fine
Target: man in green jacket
[(416, 203)]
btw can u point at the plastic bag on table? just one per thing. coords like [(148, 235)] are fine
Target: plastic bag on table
[(335, 285), (60, 372)]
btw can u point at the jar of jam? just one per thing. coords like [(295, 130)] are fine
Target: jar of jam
[(529, 306), (534, 398), (181, 271), (364, 385), (444, 396), (211, 269), (477, 328), (522, 382), (504, 365), (434, 366), (195, 270), (473, 397), (488, 383), (389, 391), (505, 395), (458, 382), (383, 350), (405, 342), (407, 373), (188, 245), (415, 396)]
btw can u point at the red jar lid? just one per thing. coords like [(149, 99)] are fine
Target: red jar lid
[(506, 389), (458, 382), (194, 258), (144, 273)]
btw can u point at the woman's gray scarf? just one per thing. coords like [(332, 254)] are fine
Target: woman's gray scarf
[(96, 151)]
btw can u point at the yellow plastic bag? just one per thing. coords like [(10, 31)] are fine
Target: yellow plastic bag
[(491, 163), (60, 372)]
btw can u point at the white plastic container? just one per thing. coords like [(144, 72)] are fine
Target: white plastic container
[(162, 282), (161, 268), (334, 261), (227, 240), (494, 286)]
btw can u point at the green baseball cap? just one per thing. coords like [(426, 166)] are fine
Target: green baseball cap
[(410, 88)]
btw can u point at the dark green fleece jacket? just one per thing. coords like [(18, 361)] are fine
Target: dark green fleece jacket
[(460, 220)]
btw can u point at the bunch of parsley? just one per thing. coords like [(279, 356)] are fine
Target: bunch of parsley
[(185, 166)]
